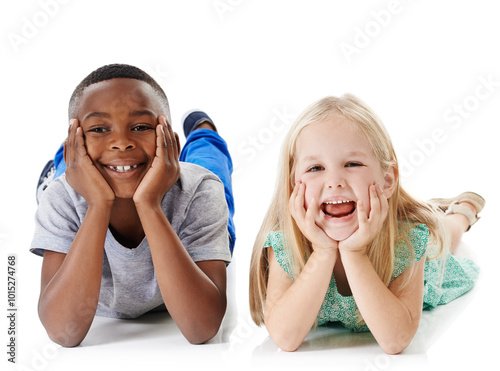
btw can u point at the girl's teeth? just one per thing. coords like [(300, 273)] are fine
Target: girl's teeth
[(337, 202)]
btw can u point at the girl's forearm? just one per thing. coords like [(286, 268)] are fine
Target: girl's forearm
[(69, 298), (196, 303), (390, 321), (291, 317)]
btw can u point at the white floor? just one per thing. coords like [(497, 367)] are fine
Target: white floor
[(456, 336), (431, 71)]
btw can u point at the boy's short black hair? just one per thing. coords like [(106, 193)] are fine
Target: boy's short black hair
[(114, 71)]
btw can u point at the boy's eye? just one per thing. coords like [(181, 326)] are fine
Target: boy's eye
[(97, 130), (142, 128)]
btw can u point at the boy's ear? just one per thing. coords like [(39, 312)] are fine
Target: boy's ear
[(390, 179)]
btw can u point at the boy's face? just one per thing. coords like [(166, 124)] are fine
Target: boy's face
[(119, 118)]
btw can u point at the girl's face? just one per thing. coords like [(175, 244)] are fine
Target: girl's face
[(337, 166)]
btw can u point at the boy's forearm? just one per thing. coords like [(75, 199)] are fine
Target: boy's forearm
[(196, 303), (389, 320), (68, 302)]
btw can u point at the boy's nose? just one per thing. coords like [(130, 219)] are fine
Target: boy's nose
[(122, 142)]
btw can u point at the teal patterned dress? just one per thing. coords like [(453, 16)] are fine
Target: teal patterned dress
[(441, 284)]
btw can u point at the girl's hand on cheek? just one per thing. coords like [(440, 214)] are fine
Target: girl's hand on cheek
[(305, 219), (165, 168), (81, 174), (369, 226)]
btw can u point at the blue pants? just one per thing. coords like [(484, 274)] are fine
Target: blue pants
[(203, 147), (207, 149)]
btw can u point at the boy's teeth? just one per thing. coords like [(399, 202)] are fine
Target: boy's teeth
[(122, 169)]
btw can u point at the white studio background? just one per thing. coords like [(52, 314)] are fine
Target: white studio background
[(430, 69)]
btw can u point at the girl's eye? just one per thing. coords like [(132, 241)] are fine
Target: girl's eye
[(353, 164), (314, 168)]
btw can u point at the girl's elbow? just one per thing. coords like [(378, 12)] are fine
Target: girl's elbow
[(396, 346), (393, 349), (288, 346), (285, 341), (396, 341)]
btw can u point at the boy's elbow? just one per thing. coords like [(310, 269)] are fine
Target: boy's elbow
[(201, 337), (66, 334), (65, 340)]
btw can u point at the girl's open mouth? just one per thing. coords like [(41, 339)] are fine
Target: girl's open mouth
[(338, 209)]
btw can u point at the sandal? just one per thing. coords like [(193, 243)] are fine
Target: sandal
[(452, 206)]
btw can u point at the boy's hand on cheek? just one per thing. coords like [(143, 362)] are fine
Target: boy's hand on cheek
[(81, 174), (370, 226), (306, 222), (165, 169)]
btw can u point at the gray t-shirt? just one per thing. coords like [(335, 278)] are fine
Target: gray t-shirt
[(196, 208)]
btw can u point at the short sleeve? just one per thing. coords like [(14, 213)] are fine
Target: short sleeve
[(405, 255), (276, 241), (203, 232), (57, 218)]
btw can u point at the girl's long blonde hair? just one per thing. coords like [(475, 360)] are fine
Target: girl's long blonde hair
[(402, 206)]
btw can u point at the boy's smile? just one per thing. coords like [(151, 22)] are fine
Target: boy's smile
[(336, 163), (119, 118)]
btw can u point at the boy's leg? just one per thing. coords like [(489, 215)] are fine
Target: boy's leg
[(206, 148), (53, 169)]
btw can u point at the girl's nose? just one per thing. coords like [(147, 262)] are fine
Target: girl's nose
[(335, 182)]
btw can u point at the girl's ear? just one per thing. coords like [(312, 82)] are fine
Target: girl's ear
[(390, 179)]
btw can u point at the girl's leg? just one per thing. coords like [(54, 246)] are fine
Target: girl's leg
[(457, 224)]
